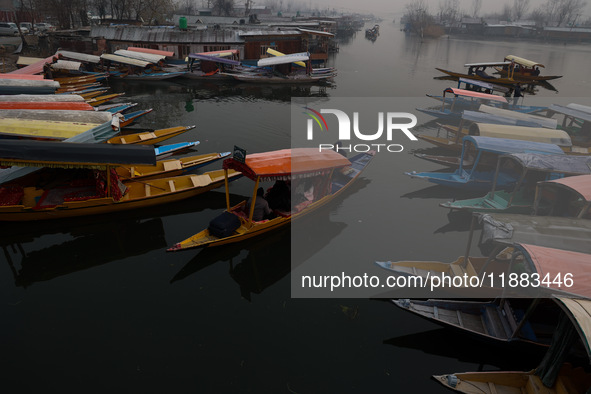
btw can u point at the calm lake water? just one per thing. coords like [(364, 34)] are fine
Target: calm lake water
[(97, 305)]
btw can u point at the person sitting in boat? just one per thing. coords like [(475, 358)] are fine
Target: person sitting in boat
[(536, 72), (517, 94), (471, 71), (482, 73), (262, 210), (279, 196)]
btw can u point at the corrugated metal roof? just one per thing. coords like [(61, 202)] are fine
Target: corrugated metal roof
[(125, 60), (568, 29), (316, 32), (270, 33), (141, 34)]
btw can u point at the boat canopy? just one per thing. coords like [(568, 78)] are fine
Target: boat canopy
[(579, 312), (563, 164), (35, 68), (554, 262), (72, 155), (481, 117), (538, 134), (223, 53), (487, 64), (83, 57), (288, 164), (580, 185), (214, 59), (274, 52), (152, 51), (27, 60), (523, 62), (550, 231), (272, 61), (47, 98), (125, 60), (147, 57), (503, 145), (484, 85), (66, 65), (470, 93), (580, 107), (575, 113), (543, 121)]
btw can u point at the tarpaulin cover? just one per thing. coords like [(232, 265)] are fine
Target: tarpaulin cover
[(553, 163), (553, 232), (288, 163), (215, 59), (83, 57), (502, 145), (580, 184), (35, 68), (470, 93), (556, 262), (73, 155)]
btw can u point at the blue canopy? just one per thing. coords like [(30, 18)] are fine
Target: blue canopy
[(504, 146), (553, 163), (214, 59)]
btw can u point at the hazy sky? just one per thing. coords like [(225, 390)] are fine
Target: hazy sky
[(397, 6)]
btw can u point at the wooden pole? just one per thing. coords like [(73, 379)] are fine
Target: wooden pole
[(227, 189), (252, 204)]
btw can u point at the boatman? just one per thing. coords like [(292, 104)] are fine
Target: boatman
[(262, 210)]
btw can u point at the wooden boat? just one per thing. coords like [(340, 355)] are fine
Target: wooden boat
[(42, 98), (567, 197), (25, 86), (499, 81), (328, 172), (212, 65), (49, 105), (576, 121), (526, 71), (483, 152), (173, 167), (99, 194), (133, 116), (172, 149), (500, 321), (99, 100), (57, 115), (115, 108), (150, 137), (451, 138), (533, 168), (553, 375)]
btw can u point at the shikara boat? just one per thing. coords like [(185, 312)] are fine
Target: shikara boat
[(323, 174), (553, 375), (140, 70), (24, 86), (576, 121), (500, 321), (526, 70), (532, 168), (462, 99), (42, 129), (212, 65), (96, 194), (451, 136), (133, 116), (100, 100), (49, 105), (172, 149), (150, 137), (567, 197), (482, 153)]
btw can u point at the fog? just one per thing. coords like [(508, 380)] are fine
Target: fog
[(397, 7)]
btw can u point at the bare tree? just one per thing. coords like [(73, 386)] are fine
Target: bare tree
[(568, 10), (223, 7), (476, 5), (520, 8), (449, 11)]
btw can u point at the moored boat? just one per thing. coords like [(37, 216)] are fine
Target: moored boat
[(150, 137), (322, 176)]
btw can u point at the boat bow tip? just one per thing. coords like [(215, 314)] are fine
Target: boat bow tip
[(175, 247)]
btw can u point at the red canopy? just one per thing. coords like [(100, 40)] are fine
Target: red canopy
[(561, 262), (288, 163), (470, 93), (35, 68), (580, 184)]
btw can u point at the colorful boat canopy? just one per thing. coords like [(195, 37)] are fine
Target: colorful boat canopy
[(288, 163), (575, 113), (224, 53), (146, 57), (274, 52), (35, 68), (502, 145), (83, 57), (470, 93), (538, 134), (72, 155), (125, 60), (523, 62), (484, 85), (543, 121), (563, 164), (579, 312), (294, 57), (214, 59), (487, 64), (554, 262), (152, 51), (580, 184), (549, 231)]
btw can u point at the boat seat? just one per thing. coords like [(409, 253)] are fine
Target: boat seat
[(147, 136), (122, 140), (535, 386), (200, 180), (172, 165), (171, 185)]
